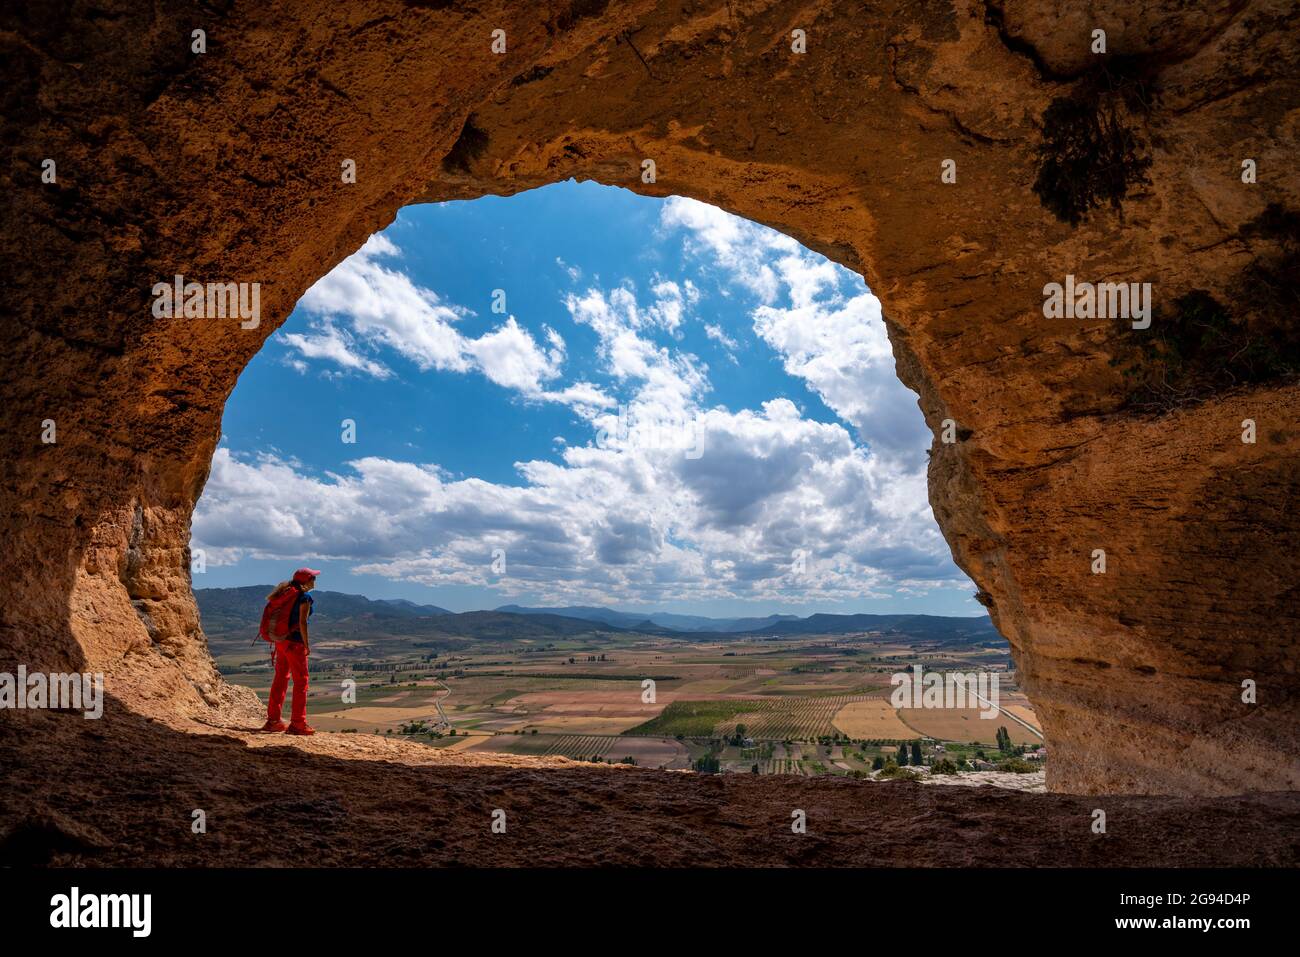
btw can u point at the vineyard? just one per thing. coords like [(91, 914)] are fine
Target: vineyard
[(788, 718), (581, 747), (693, 719), (777, 718)]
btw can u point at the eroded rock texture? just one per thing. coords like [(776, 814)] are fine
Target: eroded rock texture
[(1074, 435)]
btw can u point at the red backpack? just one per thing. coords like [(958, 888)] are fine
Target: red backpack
[(275, 616)]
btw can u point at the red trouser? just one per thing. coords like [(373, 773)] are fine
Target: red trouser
[(290, 659)]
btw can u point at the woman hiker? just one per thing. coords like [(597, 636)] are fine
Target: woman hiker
[(284, 622)]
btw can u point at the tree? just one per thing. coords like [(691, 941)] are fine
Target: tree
[(901, 758), (709, 764), (1004, 740), (916, 752), (878, 763)]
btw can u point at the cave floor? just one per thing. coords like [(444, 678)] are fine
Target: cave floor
[(122, 791)]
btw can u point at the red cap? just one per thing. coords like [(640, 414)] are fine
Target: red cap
[(302, 574)]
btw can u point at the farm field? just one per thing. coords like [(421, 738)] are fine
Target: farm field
[(806, 706), (966, 724), (793, 717), (871, 718)]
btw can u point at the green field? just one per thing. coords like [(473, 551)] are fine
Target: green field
[(692, 719)]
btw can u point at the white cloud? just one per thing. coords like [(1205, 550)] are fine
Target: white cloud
[(511, 358), (336, 346), (384, 308), (667, 384), (719, 335), (740, 247), (574, 272), (639, 523), (836, 343), (671, 302)]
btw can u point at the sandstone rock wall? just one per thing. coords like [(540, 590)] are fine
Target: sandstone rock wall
[(226, 166)]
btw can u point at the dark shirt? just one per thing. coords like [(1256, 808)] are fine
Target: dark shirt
[(295, 613)]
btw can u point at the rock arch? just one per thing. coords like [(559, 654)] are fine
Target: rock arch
[(226, 166)]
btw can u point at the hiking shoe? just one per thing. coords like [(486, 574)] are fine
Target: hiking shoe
[(274, 727), (300, 729)]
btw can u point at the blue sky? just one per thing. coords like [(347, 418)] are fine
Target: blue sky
[(580, 395)]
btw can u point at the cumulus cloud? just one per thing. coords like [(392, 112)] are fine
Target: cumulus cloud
[(638, 523), (511, 358), (384, 307), (818, 317), (667, 384), (337, 347), (731, 242)]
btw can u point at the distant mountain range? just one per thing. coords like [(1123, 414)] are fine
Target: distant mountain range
[(935, 627), (235, 612), (625, 619), (233, 609), (232, 615)]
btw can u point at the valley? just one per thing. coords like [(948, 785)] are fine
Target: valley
[(533, 682)]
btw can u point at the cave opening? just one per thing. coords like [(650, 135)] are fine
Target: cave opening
[(659, 415)]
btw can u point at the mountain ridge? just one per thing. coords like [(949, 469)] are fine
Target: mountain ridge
[(228, 611), (940, 627)]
